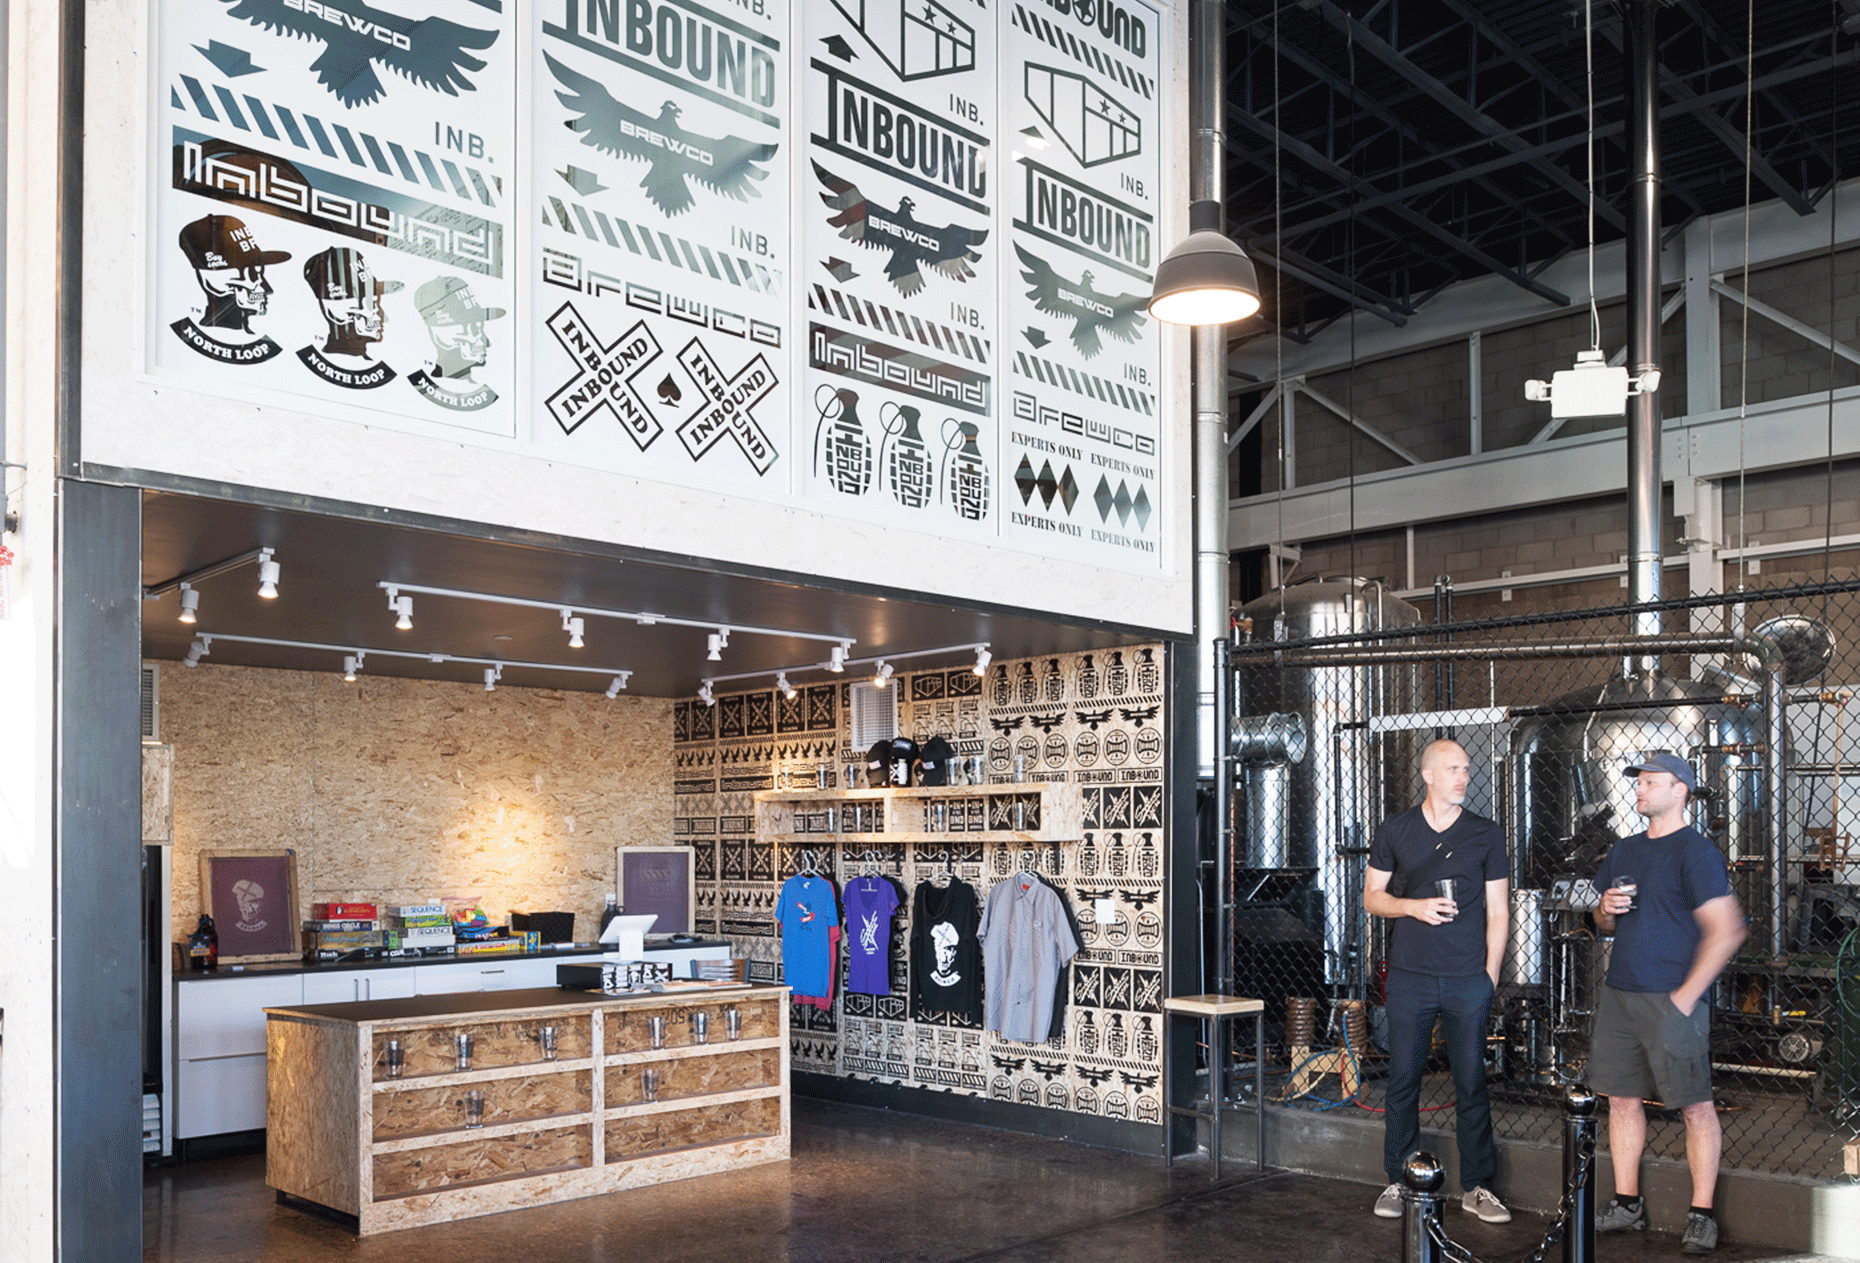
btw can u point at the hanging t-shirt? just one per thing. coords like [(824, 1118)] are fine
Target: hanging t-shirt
[(946, 957), (870, 903), (808, 913), (1026, 941)]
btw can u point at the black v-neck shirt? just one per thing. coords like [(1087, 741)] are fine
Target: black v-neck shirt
[(1473, 853)]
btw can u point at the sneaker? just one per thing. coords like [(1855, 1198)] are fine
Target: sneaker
[(1617, 1218), (1388, 1206), (1484, 1203), (1701, 1235)]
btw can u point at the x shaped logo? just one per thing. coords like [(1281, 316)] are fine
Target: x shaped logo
[(729, 409), (606, 376)]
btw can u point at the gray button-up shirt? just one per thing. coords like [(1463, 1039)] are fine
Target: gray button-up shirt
[(1026, 941)]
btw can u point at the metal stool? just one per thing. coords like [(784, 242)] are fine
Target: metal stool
[(1218, 1010)]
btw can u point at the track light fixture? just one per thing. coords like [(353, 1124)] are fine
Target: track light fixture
[(882, 677), (716, 648), (267, 575), (982, 659), (190, 603), (350, 665), (705, 695), (787, 690), (574, 626), (196, 651), (402, 607), (491, 676), (837, 663), (613, 690)]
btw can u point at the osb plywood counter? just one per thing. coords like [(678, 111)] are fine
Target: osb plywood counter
[(562, 1094)]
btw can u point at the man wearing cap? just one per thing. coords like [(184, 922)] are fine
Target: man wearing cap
[(351, 300), (455, 322), (230, 269), (1667, 901)]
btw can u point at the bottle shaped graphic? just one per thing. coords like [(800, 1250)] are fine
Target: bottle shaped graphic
[(842, 449), (1147, 1048), (1149, 675), (1003, 687), (1117, 859), (1027, 689), (1149, 864), (906, 457), (1054, 682), (1089, 681), (1117, 675), (965, 473), (1087, 1034), (1117, 1041), (1088, 856)]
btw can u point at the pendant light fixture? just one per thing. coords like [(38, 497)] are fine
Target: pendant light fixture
[(1207, 279)]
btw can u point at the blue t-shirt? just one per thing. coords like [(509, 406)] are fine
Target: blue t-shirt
[(808, 911), (1678, 873)]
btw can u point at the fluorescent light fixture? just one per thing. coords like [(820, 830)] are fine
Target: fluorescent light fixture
[(190, 603), (883, 675), (982, 659), (1207, 279), (267, 575), (787, 690), (349, 667)]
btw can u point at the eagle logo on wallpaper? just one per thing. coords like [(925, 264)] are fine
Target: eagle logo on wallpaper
[(429, 51), (1116, 314), (728, 165), (913, 245)]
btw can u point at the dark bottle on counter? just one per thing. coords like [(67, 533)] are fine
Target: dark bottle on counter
[(203, 945), (608, 913)]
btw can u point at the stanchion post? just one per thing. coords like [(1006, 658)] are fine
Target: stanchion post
[(1579, 1173), (1422, 1179)]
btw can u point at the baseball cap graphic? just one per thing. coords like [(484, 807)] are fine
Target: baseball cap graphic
[(448, 300), (220, 241), (340, 272)]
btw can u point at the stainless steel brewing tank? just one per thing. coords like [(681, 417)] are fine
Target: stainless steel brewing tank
[(1568, 765), (1334, 796)]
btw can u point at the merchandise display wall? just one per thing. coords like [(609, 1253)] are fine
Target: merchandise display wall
[(1096, 720)]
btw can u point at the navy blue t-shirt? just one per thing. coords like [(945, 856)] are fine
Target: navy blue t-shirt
[(1655, 943), (1472, 852)]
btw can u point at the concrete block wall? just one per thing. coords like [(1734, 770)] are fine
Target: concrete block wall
[(1821, 293)]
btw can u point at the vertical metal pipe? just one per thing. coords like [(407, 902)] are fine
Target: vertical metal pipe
[(1224, 824), (1643, 313), (1578, 1136), (1209, 365), (1774, 719)]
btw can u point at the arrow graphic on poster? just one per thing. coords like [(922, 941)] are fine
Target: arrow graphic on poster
[(842, 270), (585, 183), (1036, 336), (838, 47), (231, 62)]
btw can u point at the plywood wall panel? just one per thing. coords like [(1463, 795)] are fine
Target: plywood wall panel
[(396, 791)]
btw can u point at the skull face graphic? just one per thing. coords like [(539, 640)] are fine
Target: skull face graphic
[(350, 296), (230, 268), (456, 324), (251, 899)]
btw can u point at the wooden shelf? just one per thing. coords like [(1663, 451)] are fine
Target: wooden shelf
[(1025, 812)]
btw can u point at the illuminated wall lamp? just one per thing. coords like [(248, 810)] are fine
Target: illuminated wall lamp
[(267, 575)]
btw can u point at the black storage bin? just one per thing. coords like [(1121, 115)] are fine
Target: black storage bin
[(551, 927)]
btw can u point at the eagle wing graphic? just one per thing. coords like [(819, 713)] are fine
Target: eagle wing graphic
[(1116, 314), (726, 165), (434, 53), (950, 249)]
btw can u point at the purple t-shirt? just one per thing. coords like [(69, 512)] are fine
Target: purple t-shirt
[(870, 902)]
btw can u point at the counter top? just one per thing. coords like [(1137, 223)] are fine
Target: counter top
[(275, 968), (475, 1002)]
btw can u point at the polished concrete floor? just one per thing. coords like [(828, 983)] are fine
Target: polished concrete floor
[(867, 1186)]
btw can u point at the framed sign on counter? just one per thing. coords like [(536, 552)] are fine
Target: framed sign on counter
[(252, 898)]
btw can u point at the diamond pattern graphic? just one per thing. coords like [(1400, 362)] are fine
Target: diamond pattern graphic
[(1104, 497), (1123, 503), (1068, 489), (1141, 505), (1024, 479), (1049, 486)]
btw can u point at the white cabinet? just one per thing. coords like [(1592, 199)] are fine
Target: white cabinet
[(485, 975), (351, 985), (220, 1050)]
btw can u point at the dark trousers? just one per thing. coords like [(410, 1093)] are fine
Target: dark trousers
[(1462, 1006)]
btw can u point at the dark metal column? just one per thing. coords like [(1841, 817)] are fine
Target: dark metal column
[(1182, 903), (1643, 310), (97, 867)]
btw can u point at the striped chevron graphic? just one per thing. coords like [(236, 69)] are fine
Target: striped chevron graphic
[(659, 245), (1072, 46), (1087, 384), (309, 133), (831, 302)]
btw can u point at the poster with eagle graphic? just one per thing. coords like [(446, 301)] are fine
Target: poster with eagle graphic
[(330, 224), (1081, 360), (898, 264), (659, 294)]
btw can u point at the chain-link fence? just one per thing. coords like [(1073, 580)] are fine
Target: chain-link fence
[(1338, 688)]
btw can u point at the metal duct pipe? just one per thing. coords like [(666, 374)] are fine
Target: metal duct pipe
[(1605, 646), (1774, 699), (1643, 314), (1207, 70)]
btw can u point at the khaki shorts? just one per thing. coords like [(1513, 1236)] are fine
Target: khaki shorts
[(1643, 1047)]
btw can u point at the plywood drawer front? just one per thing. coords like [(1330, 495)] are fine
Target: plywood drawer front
[(434, 1050), (421, 1111), (482, 1161), (685, 1129), (630, 1031), (695, 1076)]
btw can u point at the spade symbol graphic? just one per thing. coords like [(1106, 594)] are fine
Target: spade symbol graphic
[(668, 390)]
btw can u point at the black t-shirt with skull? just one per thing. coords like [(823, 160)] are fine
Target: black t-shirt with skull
[(946, 954)]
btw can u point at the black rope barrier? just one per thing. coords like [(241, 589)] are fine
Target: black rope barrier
[(1425, 1239)]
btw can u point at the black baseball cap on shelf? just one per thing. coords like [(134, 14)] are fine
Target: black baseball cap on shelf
[(934, 769), (903, 760), (878, 764)]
